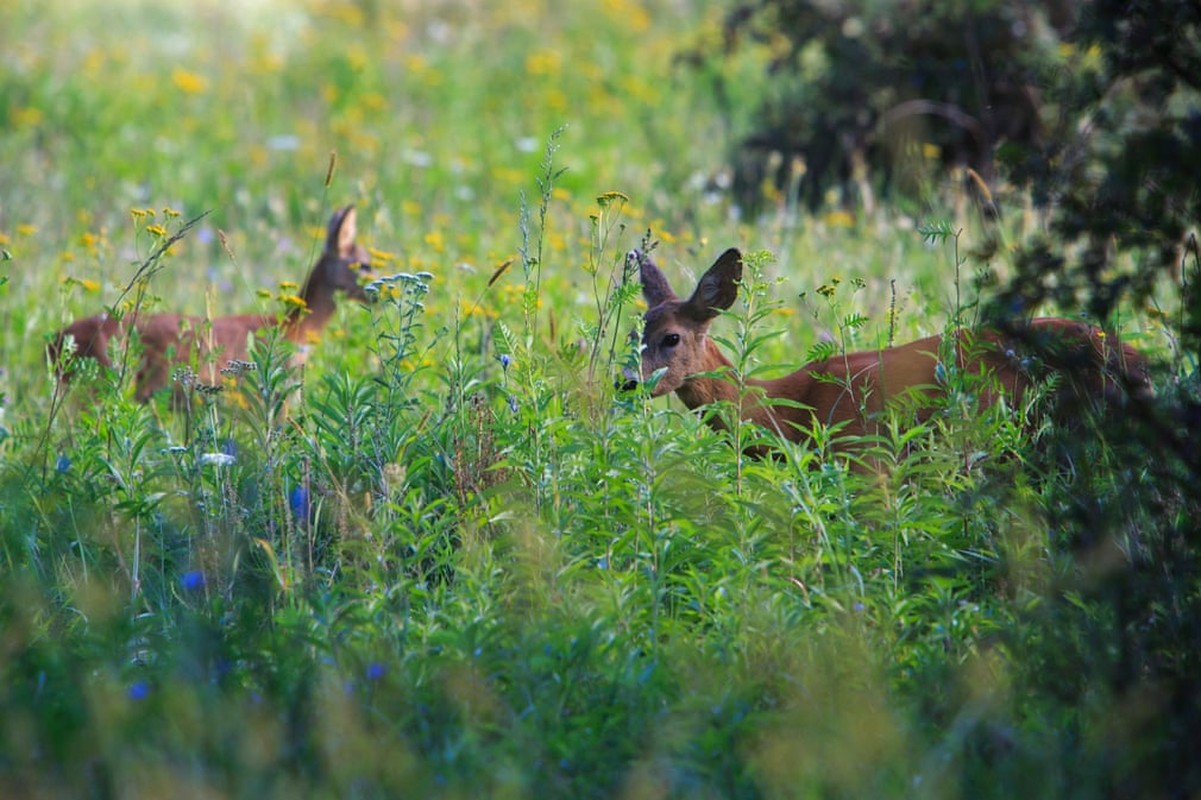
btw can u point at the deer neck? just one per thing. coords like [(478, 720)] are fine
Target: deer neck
[(701, 390), (319, 307)]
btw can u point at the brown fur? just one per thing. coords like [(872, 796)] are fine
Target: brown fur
[(855, 387), (172, 339)]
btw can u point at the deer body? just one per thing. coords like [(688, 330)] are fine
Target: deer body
[(853, 389), (171, 339)]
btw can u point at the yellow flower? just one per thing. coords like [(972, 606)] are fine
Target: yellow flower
[(264, 293), (287, 286), (380, 255), (156, 230), (293, 300), (26, 230), (90, 286), (931, 151), (840, 219), (189, 82), (629, 13), (544, 62), (26, 117), (608, 198), (435, 240)]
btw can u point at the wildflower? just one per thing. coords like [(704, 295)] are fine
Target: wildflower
[(27, 117), (62, 465), (505, 361), (192, 580), (217, 459), (609, 198), (513, 404), (298, 501), (839, 219), (375, 671), (138, 691), (189, 82), (293, 300), (546, 62), (24, 229), (156, 230)]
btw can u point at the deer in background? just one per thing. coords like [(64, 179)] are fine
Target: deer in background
[(171, 339), (854, 388)]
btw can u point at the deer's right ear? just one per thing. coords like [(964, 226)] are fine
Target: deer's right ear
[(342, 231), (655, 288), (718, 287)]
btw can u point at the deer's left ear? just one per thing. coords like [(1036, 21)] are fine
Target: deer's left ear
[(718, 287)]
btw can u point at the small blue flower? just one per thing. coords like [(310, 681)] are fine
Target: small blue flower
[(298, 501), (513, 404), (229, 447), (505, 361), (375, 671), (62, 465), (192, 580), (138, 691)]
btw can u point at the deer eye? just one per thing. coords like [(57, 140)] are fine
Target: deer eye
[(671, 340)]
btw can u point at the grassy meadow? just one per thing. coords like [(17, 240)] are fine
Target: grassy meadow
[(446, 558)]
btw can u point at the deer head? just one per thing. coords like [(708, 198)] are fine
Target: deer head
[(343, 261), (674, 334)]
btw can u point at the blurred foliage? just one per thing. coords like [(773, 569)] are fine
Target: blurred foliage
[(883, 92)]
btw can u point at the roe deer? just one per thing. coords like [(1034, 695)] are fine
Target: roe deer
[(854, 388), (171, 339)]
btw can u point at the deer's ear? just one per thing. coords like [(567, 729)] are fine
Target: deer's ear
[(718, 287), (655, 288), (343, 229)]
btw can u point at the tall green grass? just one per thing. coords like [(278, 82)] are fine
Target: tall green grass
[(447, 558)]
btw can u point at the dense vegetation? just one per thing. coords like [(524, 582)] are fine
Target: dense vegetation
[(447, 557)]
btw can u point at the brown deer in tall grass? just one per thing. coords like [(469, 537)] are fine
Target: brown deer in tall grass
[(853, 389), (168, 340)]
